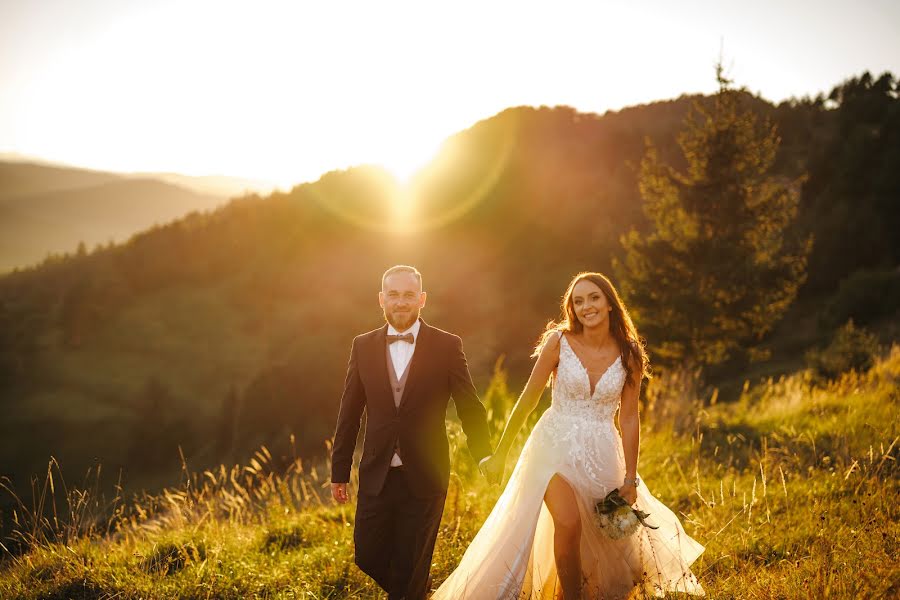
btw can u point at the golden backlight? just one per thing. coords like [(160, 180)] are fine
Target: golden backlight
[(285, 91)]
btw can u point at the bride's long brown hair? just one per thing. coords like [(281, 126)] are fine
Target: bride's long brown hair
[(620, 325)]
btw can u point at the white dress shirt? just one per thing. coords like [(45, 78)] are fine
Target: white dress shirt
[(401, 355), (401, 352)]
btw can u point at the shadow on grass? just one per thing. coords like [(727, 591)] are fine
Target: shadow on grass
[(78, 590), (305, 532), (170, 558), (738, 444), (286, 539), (340, 585)]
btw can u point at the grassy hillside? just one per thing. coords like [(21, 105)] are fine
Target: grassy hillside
[(793, 490)]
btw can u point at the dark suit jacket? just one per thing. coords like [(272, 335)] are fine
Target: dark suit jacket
[(437, 371)]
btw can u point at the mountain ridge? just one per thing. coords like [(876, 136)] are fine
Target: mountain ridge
[(40, 223), (223, 330)]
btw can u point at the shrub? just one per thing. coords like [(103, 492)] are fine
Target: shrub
[(852, 348)]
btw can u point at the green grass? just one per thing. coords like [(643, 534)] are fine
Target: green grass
[(793, 490)]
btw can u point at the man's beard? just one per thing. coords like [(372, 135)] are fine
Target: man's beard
[(407, 320)]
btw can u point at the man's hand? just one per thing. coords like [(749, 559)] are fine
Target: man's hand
[(339, 493), (492, 468)]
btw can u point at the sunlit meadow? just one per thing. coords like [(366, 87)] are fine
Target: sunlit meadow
[(793, 489)]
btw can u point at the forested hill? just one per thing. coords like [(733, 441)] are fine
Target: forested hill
[(225, 330)]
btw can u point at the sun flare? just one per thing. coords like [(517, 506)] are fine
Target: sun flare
[(404, 162)]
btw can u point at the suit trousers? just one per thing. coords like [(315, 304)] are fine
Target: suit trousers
[(394, 535)]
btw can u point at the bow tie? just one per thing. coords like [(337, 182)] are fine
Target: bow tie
[(406, 337)]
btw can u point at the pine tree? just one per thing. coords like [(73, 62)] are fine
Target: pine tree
[(721, 262)]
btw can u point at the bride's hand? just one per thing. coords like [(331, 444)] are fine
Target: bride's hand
[(492, 467), (629, 493)]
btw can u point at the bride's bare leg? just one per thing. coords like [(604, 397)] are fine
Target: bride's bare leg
[(563, 507)]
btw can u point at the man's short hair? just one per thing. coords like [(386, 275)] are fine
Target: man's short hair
[(402, 269)]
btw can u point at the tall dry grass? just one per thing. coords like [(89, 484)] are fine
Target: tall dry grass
[(793, 489)]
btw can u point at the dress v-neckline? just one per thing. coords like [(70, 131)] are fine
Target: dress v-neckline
[(587, 373)]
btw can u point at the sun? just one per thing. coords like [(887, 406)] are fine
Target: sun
[(405, 161)]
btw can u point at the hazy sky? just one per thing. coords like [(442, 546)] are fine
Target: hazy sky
[(285, 91)]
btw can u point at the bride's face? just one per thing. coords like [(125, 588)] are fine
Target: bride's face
[(590, 304)]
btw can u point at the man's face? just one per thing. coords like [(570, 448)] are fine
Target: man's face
[(401, 298)]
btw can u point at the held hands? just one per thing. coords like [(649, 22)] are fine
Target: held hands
[(492, 468), (339, 493)]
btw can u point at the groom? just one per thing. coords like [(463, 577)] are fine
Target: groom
[(402, 375)]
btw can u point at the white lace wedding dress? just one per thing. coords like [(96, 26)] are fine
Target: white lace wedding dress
[(511, 557)]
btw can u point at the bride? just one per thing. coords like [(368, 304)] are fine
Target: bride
[(540, 540)]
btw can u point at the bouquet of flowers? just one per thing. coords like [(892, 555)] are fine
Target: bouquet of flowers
[(617, 519)]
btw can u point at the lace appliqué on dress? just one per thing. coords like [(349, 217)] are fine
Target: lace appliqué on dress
[(580, 425)]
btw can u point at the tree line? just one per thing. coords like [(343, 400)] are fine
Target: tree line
[(220, 331)]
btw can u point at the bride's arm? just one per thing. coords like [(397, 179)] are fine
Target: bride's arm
[(543, 367), (630, 423)]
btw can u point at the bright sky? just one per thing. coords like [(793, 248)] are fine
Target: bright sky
[(286, 90)]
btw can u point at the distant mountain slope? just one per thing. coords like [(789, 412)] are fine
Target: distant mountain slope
[(36, 224), (24, 178), (216, 185), (24, 175)]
